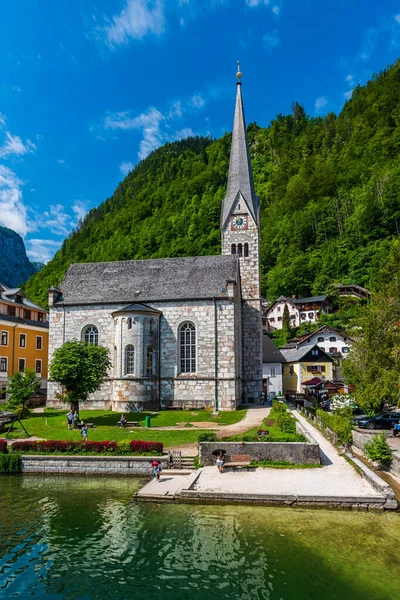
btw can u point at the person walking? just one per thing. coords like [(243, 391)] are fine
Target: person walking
[(75, 419), (70, 417), (84, 432), (262, 398), (396, 429)]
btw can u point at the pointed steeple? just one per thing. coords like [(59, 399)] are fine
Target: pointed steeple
[(240, 178)]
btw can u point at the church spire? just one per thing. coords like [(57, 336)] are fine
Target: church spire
[(240, 178)]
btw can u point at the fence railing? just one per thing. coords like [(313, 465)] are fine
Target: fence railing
[(316, 420)]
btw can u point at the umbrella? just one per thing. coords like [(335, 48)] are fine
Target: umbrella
[(218, 451)]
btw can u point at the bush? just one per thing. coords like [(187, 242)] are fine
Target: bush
[(279, 407), (378, 450), (10, 463), (339, 424), (283, 437), (285, 422), (207, 436), (3, 447), (81, 447)]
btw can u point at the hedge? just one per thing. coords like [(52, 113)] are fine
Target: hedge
[(207, 436), (340, 425), (10, 463), (3, 447), (81, 447)]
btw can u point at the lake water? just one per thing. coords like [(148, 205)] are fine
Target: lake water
[(83, 538)]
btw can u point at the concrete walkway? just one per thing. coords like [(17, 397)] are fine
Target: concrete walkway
[(335, 484), (253, 418)]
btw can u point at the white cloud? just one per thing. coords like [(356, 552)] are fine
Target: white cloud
[(197, 101), (149, 122), (61, 161), (276, 10), (13, 213), (80, 208), (136, 20), (397, 18), (271, 40), (2, 119), (348, 94), (14, 145), (320, 103), (256, 3), (184, 133), (41, 250), (57, 220), (350, 79), (126, 167)]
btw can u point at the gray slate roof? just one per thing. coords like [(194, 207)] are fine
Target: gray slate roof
[(11, 292), (240, 177), (271, 354), (155, 280), (22, 321), (311, 299), (296, 354), (136, 307)]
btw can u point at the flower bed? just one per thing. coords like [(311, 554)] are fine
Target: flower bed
[(125, 447)]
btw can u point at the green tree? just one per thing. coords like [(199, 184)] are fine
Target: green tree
[(21, 386), (286, 319), (80, 368), (373, 365)]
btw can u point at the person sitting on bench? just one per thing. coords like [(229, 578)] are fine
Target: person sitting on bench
[(122, 421)]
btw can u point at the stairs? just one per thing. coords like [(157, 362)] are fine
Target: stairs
[(177, 461), (187, 462)]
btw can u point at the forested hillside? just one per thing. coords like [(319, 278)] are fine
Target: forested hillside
[(329, 189)]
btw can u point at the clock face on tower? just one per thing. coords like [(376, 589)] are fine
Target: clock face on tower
[(239, 222)]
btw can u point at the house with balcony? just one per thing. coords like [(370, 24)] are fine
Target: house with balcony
[(24, 335), (301, 310), (302, 363)]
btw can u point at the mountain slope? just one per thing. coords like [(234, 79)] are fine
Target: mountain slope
[(329, 188), (15, 267)]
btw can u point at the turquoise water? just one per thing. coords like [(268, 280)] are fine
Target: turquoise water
[(83, 538)]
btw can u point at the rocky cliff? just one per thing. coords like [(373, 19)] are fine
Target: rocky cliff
[(15, 266)]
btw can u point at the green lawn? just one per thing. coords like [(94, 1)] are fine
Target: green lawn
[(52, 425)]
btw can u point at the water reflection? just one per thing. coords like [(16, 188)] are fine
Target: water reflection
[(70, 538)]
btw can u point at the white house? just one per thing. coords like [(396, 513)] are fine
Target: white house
[(331, 340), (301, 310), (272, 367)]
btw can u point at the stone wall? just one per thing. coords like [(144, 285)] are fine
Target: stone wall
[(299, 453), (90, 465), (359, 441), (167, 387)]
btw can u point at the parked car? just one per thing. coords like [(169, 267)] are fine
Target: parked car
[(381, 421), (325, 405)]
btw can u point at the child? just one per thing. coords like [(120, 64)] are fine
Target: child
[(84, 432), (70, 416), (76, 419)]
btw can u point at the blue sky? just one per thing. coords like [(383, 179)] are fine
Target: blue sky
[(90, 87)]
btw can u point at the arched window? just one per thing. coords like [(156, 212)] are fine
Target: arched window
[(151, 325), (240, 250), (233, 249), (320, 339), (129, 360), (129, 323), (332, 339), (246, 250), (187, 346), (91, 335), (150, 362)]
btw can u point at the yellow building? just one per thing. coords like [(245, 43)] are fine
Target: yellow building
[(302, 364), (24, 336)]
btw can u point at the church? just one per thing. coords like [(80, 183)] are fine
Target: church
[(181, 332)]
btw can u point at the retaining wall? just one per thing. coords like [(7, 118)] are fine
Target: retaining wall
[(359, 441), (90, 465), (298, 453)]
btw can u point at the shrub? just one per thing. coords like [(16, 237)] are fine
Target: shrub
[(339, 424), (10, 463), (24, 446), (207, 436), (279, 406), (286, 423), (101, 447), (378, 450), (140, 447), (124, 447), (3, 447)]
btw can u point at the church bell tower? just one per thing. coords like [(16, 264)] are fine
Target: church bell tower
[(240, 228)]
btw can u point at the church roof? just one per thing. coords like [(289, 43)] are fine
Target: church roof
[(271, 354), (240, 177), (138, 308), (148, 280)]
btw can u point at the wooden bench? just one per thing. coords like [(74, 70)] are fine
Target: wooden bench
[(131, 424), (237, 460), (88, 425)]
